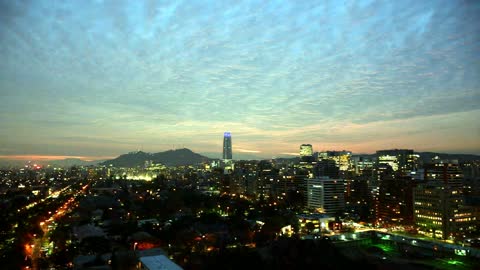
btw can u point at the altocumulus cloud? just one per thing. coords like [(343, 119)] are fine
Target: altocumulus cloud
[(118, 75)]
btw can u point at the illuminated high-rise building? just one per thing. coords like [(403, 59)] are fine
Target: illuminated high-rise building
[(439, 205), (306, 153), (315, 194), (359, 198), (306, 150), (395, 199), (325, 195), (403, 160), (341, 158), (362, 164), (227, 146), (389, 160)]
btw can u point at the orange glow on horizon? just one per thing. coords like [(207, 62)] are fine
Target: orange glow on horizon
[(48, 158)]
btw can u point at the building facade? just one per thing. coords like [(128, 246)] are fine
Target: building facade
[(325, 195), (341, 158), (403, 160), (395, 200), (439, 204), (306, 153), (227, 146)]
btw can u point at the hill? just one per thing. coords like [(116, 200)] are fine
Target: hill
[(177, 157)]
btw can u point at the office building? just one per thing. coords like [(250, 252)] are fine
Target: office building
[(358, 198), (342, 158), (315, 194), (327, 167), (403, 160), (395, 200), (440, 210), (362, 164), (227, 146), (306, 150), (227, 162), (306, 153), (325, 195)]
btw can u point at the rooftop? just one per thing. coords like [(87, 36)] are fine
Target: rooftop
[(159, 262)]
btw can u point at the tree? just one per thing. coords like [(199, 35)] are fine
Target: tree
[(310, 227), (95, 244)]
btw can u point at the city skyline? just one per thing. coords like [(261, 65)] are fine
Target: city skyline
[(100, 79)]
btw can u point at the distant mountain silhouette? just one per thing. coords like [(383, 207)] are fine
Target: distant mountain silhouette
[(68, 162), (236, 156), (177, 157), (426, 157)]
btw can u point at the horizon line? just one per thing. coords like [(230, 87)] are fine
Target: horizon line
[(39, 157)]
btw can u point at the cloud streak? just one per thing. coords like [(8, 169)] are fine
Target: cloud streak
[(247, 151)]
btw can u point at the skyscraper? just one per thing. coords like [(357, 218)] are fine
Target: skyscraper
[(341, 158), (325, 195), (306, 150), (404, 160), (227, 146), (439, 205), (395, 199), (315, 194), (306, 153)]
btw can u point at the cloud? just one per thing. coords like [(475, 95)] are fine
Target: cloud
[(121, 75), (246, 150), (290, 154)]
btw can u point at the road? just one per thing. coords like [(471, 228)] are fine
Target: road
[(49, 224)]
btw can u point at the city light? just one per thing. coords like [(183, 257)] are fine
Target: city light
[(239, 134)]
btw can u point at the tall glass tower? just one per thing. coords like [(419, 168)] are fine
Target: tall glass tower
[(227, 145)]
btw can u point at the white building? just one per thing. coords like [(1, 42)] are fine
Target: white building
[(325, 195)]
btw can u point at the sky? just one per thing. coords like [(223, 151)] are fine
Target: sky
[(96, 79)]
